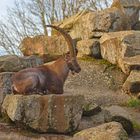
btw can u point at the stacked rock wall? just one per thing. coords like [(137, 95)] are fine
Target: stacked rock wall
[(99, 34), (106, 34)]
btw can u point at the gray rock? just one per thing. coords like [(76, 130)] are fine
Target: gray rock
[(88, 24), (91, 109), (96, 50), (107, 131), (137, 26), (89, 47), (49, 113), (97, 119), (5, 85), (120, 115), (33, 61), (131, 8), (13, 63)]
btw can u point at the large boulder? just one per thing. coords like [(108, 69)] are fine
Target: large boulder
[(131, 8), (120, 115), (82, 26), (49, 113), (108, 114), (107, 131), (132, 84), (120, 48), (42, 45), (88, 24), (13, 63)]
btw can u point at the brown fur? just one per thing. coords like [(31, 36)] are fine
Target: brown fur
[(42, 79)]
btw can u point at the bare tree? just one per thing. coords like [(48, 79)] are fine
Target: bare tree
[(98, 4), (28, 18), (17, 25)]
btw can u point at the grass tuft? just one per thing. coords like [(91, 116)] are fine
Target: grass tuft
[(136, 125), (98, 61), (133, 102), (87, 58)]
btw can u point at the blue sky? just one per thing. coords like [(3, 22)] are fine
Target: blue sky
[(3, 6)]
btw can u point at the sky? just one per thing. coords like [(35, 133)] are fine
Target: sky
[(3, 6), (3, 10)]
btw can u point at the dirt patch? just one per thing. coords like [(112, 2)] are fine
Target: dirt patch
[(99, 82)]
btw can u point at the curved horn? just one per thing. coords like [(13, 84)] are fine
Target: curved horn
[(68, 40)]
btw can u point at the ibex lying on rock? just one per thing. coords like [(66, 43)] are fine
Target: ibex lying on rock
[(47, 78)]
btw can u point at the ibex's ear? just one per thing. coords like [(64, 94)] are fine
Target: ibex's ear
[(68, 53), (67, 56)]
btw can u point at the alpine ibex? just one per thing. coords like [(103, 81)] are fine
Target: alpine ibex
[(49, 77)]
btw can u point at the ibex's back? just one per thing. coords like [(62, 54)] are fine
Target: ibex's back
[(35, 80), (47, 77)]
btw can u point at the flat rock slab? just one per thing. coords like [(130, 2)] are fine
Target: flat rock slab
[(18, 136), (8, 131), (49, 113)]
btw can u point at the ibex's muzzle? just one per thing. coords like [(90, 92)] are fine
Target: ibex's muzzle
[(78, 70)]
